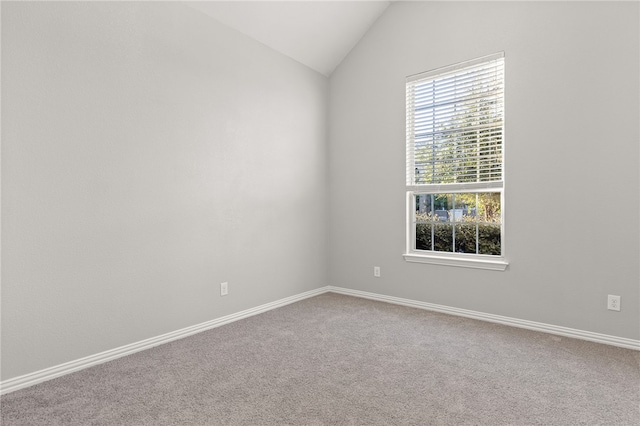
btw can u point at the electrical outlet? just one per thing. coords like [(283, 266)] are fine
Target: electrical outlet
[(224, 289), (376, 271), (613, 302)]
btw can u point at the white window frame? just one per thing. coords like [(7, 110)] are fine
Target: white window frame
[(480, 261)]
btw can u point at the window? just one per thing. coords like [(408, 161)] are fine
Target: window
[(455, 185)]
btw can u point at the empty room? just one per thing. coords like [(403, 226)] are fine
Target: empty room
[(320, 213)]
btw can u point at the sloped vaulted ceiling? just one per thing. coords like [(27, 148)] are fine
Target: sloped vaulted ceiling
[(318, 34)]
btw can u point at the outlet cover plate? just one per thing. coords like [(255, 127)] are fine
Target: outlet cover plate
[(613, 302)]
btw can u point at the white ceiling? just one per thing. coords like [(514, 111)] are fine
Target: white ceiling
[(318, 34)]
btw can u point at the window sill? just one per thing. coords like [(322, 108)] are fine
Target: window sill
[(499, 264)]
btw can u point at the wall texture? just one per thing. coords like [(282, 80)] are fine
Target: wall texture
[(148, 154), (572, 159)]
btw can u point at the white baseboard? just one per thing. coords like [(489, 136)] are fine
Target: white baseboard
[(30, 379), (514, 322)]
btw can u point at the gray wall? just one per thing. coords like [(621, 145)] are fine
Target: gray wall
[(572, 159), (148, 154)]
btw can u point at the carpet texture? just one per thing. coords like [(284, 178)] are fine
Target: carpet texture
[(341, 360)]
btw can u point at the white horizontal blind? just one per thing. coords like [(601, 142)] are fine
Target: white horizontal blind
[(455, 124)]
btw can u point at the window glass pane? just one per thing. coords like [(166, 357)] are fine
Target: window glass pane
[(441, 205), (466, 223), (424, 232), (489, 223), (466, 237), (424, 222), (424, 207), (466, 207), (489, 209), (443, 236), (489, 239)]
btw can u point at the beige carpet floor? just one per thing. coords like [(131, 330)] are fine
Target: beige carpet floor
[(340, 360)]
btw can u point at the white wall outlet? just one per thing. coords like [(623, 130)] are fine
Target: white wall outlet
[(613, 302), (376, 271), (224, 289)]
